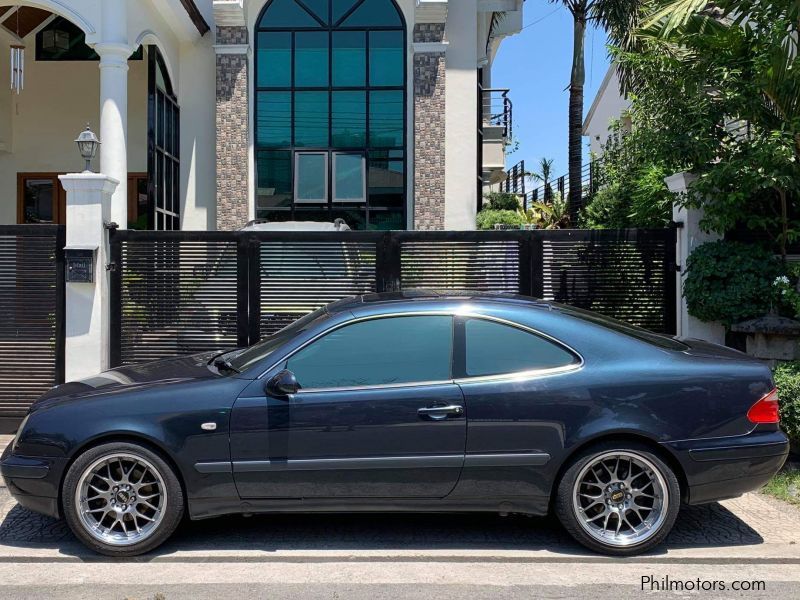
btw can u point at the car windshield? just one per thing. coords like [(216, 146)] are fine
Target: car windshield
[(244, 359), (656, 339)]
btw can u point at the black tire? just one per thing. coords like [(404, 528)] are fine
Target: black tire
[(169, 521), (568, 514)]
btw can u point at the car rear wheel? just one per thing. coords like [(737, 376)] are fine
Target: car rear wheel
[(122, 499), (618, 499)]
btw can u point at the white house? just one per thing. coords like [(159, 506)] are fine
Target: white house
[(609, 105), (215, 112)]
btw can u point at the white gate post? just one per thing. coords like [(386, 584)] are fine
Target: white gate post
[(87, 304), (690, 236)]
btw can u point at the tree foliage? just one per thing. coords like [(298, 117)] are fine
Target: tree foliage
[(718, 89)]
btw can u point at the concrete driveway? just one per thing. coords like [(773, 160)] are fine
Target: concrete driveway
[(750, 539)]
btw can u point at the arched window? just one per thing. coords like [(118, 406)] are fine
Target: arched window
[(330, 112)]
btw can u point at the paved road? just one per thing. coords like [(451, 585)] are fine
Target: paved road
[(394, 556)]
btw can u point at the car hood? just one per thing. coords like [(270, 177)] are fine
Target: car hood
[(134, 377)]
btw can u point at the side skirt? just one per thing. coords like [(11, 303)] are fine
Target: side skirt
[(202, 508)]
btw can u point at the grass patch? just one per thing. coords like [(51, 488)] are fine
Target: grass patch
[(785, 486)]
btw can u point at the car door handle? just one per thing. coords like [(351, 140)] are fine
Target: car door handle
[(440, 413)]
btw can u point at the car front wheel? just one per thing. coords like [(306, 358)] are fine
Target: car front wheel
[(122, 499), (618, 499)]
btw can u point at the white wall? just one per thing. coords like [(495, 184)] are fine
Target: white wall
[(608, 105), (59, 99), (461, 141), (197, 97)]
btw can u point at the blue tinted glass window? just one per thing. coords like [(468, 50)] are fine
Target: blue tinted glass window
[(274, 118), (286, 13), (386, 119), (311, 59), (494, 349), (386, 58), (349, 178), (374, 13), (378, 352), (274, 179), (311, 177), (349, 58), (311, 123), (349, 127), (386, 182), (319, 8), (340, 8), (275, 59)]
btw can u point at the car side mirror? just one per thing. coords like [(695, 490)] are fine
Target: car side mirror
[(283, 384)]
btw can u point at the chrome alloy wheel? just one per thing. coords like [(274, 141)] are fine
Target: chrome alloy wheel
[(620, 498), (121, 499)]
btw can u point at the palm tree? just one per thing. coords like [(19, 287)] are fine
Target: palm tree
[(618, 17), (545, 175)]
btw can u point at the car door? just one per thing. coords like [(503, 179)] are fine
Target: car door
[(520, 388), (377, 415)]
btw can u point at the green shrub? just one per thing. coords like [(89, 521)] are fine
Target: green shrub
[(787, 378), (488, 217), (730, 282), (502, 201)]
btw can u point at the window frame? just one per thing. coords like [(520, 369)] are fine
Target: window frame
[(334, 156), (371, 214), (460, 352), (296, 178)]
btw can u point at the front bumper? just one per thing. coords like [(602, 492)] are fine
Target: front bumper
[(722, 468), (33, 481)]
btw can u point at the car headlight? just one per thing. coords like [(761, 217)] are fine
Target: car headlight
[(19, 432)]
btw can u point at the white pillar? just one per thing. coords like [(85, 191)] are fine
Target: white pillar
[(114, 52), (690, 236), (89, 198)]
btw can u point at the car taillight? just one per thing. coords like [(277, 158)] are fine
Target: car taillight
[(765, 410)]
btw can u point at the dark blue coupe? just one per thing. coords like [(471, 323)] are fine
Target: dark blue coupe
[(408, 402)]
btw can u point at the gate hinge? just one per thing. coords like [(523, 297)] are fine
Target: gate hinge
[(112, 266), (111, 226)]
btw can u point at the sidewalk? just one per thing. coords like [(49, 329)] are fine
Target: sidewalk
[(5, 440)]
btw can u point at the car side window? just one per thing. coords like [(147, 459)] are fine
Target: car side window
[(495, 348), (382, 351)]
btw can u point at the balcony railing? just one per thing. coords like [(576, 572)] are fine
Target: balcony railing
[(518, 182), (498, 110)]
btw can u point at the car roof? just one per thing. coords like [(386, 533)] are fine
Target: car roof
[(411, 296)]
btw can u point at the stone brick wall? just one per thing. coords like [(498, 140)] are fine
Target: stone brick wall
[(232, 132), (429, 130)]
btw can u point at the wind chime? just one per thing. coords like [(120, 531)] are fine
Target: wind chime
[(17, 62)]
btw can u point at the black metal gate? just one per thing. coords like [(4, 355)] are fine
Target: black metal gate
[(31, 317), (174, 293)]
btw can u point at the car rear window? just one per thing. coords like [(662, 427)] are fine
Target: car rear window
[(497, 349), (656, 339)]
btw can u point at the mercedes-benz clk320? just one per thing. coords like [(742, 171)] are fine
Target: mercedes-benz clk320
[(413, 401)]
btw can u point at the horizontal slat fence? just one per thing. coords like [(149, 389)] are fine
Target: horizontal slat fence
[(31, 317), (180, 292)]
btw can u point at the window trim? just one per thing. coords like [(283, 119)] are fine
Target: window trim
[(458, 355), (460, 350)]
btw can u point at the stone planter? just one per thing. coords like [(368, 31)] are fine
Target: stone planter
[(771, 338)]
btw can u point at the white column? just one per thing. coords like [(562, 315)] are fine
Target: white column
[(114, 52), (690, 236), (89, 198)]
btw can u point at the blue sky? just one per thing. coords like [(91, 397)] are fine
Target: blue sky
[(535, 65)]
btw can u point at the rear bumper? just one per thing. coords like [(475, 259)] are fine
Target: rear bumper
[(33, 481), (728, 467)]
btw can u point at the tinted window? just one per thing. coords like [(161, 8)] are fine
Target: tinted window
[(378, 352), (493, 349)]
